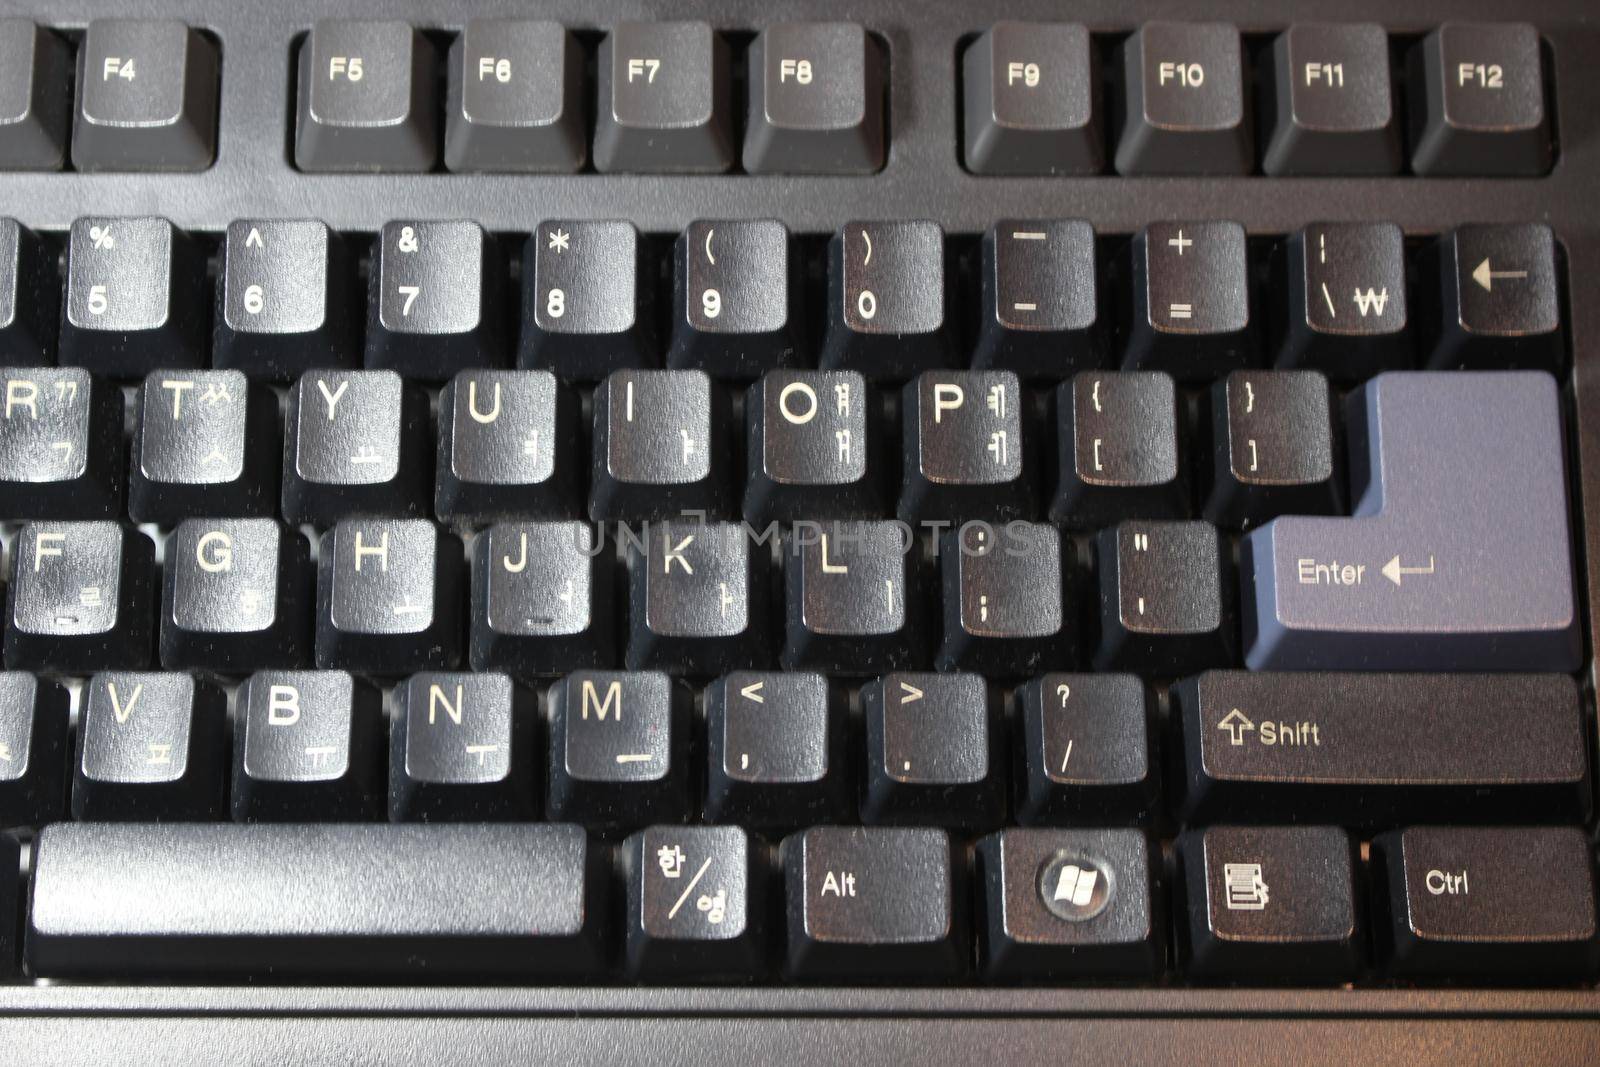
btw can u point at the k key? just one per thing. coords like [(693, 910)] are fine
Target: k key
[(886, 300), (284, 301), (736, 299), (133, 299), (461, 747), (698, 600), (61, 453), (388, 596), (307, 747), (150, 747), (80, 597)]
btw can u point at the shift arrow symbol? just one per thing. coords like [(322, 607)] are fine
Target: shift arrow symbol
[(1485, 275)]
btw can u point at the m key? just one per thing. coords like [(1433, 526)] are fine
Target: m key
[(618, 748)]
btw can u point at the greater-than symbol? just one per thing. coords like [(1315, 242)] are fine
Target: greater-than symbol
[(909, 693)]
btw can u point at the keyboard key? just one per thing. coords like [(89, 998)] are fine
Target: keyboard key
[(541, 599), (698, 599), (1165, 607), (61, 451), (965, 456), (736, 311), (1328, 101), (434, 303), (357, 444), (150, 746), (80, 597), (854, 599), (1347, 313), (1120, 448), (507, 446), (147, 97), (133, 298), (1504, 904), (775, 743), (1273, 449), (1006, 605), (1432, 572), (1088, 752), (1267, 903), (30, 303), (236, 596), (204, 443), (35, 96), (663, 95), (34, 732), (618, 749), (1031, 100), (284, 302), (1065, 904), (461, 748), (874, 902), (933, 751), (659, 447), (584, 313), (515, 99), (1498, 300), (1376, 749), (388, 596), (814, 450), (308, 747), (1477, 101), (886, 300), (301, 895), (10, 891), (816, 100), (696, 902), (1186, 111), (1192, 315), (1041, 305), (366, 98)]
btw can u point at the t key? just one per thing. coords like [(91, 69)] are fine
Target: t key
[(1192, 313), (886, 300), (147, 97), (663, 99), (367, 98), (736, 298), (284, 302), (133, 297), (1186, 110), (1477, 101), (205, 443), (80, 597), (1347, 309), (659, 446), (1499, 305), (60, 445), (584, 313), (433, 304), (515, 101)]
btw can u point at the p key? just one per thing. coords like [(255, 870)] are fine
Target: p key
[(963, 447), (618, 748)]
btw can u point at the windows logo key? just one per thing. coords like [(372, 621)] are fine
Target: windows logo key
[(1074, 888)]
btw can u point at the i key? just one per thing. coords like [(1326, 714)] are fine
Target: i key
[(1164, 606), (1031, 98), (35, 96), (366, 98), (618, 749), (147, 97), (461, 748), (80, 597), (1088, 750), (61, 451), (1190, 290), (434, 302), (506, 446), (1477, 101), (1006, 610), (388, 596), (204, 443), (963, 450), (151, 747), (584, 313), (356, 444), (34, 732), (1041, 305), (696, 902), (854, 598), (1273, 448), (698, 599), (886, 300), (736, 311), (1498, 301), (308, 747), (1119, 449), (933, 746), (816, 100), (663, 91), (516, 100), (1186, 108), (133, 298), (659, 447), (30, 291), (1347, 309), (775, 745), (1328, 99), (814, 450), (541, 599), (284, 302), (236, 596)]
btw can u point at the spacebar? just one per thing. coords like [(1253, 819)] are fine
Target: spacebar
[(302, 900)]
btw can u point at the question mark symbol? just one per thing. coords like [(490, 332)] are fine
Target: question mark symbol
[(1065, 691)]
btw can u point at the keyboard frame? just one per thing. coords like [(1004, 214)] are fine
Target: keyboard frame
[(923, 178)]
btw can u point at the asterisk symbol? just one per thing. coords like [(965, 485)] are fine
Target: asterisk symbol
[(558, 240)]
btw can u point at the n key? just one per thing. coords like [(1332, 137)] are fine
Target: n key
[(284, 302), (388, 596), (150, 747), (434, 302), (541, 599), (886, 300), (697, 599), (147, 97), (80, 597), (236, 596), (60, 445), (618, 749), (964, 453), (460, 747), (658, 446), (308, 748), (133, 297), (506, 446), (205, 443), (356, 444), (736, 299)]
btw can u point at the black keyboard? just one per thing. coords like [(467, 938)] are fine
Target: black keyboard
[(887, 529)]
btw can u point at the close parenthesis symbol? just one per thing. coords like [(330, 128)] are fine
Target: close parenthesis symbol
[(867, 237)]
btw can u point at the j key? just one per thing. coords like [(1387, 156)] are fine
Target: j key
[(1186, 109), (1376, 749), (356, 444), (1328, 101), (736, 312), (618, 748), (816, 100), (1070, 904), (1192, 315), (659, 447), (366, 98), (776, 748), (696, 904), (433, 301), (1031, 95), (461, 747), (284, 302), (698, 599), (1119, 449), (150, 746), (388, 596), (60, 445), (1347, 314), (80, 597), (1498, 301), (35, 96), (147, 97), (814, 450), (1088, 753), (663, 99), (1006, 611), (515, 99), (1164, 605), (236, 596), (933, 753), (204, 443), (1273, 450), (499, 435), (30, 293), (962, 439), (854, 600), (300, 895), (584, 313), (886, 300), (541, 599), (1265, 902), (133, 298), (1477, 101), (34, 736), (874, 902), (1503, 904), (1431, 573), (308, 747), (1041, 308)]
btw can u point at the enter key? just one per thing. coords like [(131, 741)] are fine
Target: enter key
[(1458, 555)]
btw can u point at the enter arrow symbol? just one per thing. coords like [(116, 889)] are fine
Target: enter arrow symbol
[(1394, 571), (1485, 275)]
